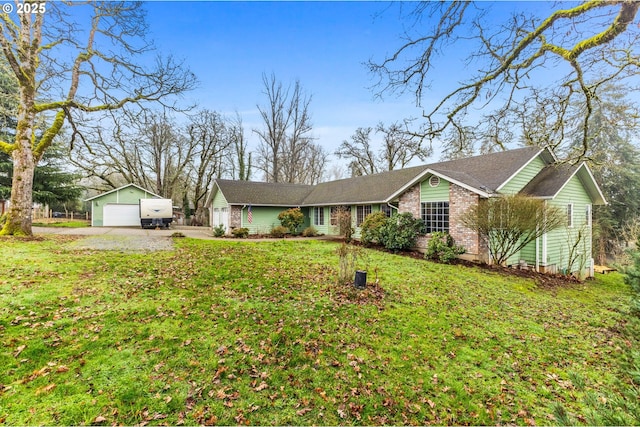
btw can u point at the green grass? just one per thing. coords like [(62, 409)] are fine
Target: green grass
[(63, 223), (232, 332)]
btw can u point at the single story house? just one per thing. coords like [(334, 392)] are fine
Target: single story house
[(439, 193), (119, 207)]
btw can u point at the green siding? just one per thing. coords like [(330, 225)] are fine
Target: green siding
[(219, 200), (125, 196), (264, 219), (326, 227), (434, 194), (354, 212), (333, 230), (513, 186), (559, 241), (522, 178)]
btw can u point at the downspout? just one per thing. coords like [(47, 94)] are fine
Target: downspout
[(537, 256), (391, 206), (241, 216)]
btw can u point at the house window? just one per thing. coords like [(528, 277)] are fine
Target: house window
[(388, 210), (434, 181), (587, 215), (570, 215), (335, 211), (361, 213), (435, 216), (318, 216)]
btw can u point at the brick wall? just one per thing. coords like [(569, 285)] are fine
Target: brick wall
[(236, 217), (460, 200), (410, 202)]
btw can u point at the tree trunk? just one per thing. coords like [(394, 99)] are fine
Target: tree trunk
[(18, 221), (19, 215)]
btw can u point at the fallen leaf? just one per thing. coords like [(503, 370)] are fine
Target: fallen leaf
[(262, 386), (99, 419), (19, 350), (45, 389), (303, 411)]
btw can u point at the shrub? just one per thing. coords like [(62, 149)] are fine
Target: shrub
[(218, 231), (442, 248), (509, 223), (371, 226), (348, 256), (310, 232), (343, 215), (291, 219), (240, 233), (400, 232), (278, 231)]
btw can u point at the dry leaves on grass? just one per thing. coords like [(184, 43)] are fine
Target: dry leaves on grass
[(347, 294)]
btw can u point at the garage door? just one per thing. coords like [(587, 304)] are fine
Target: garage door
[(121, 215)]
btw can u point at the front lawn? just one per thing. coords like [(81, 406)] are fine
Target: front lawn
[(237, 332), (63, 223)]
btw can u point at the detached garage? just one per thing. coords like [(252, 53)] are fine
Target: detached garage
[(119, 207)]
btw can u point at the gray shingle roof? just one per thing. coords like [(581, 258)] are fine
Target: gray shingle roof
[(549, 180), (263, 193), (363, 189), (485, 173)]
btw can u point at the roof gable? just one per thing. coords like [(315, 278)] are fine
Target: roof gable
[(483, 174), (553, 178), (122, 188)]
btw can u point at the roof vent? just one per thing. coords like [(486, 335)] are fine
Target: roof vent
[(434, 181)]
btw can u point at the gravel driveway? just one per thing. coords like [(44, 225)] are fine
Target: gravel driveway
[(128, 239)]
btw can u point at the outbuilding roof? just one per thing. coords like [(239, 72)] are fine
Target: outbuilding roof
[(122, 188)]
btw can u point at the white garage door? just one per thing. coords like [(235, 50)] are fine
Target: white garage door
[(221, 217), (121, 215)]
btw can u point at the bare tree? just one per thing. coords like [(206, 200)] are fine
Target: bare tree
[(362, 159), (210, 138), (589, 44), (239, 158), (313, 165), (146, 149), (285, 141), (102, 76), (398, 147)]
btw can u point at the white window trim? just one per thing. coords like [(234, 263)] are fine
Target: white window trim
[(570, 211), (316, 216)]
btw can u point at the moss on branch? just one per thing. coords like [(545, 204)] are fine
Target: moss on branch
[(6, 147)]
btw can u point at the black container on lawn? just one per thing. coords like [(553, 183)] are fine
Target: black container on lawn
[(361, 279)]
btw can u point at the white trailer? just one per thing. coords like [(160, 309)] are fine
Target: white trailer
[(156, 212)]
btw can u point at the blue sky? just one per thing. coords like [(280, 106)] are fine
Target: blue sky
[(325, 45), (228, 45)]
